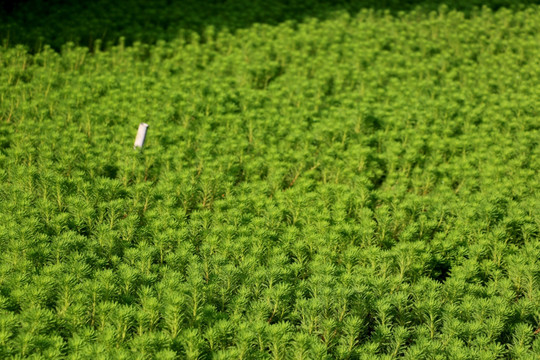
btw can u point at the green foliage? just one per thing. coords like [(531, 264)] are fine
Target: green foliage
[(356, 187)]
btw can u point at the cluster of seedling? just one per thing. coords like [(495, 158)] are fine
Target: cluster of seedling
[(361, 186)]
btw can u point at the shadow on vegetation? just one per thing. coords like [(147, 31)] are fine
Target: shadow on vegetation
[(55, 22)]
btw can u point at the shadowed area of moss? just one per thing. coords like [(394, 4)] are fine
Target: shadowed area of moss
[(38, 22)]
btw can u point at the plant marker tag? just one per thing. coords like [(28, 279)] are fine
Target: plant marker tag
[(141, 135)]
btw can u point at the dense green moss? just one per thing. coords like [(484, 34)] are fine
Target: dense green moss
[(363, 185)]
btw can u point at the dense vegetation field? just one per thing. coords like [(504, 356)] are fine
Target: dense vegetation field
[(363, 184)]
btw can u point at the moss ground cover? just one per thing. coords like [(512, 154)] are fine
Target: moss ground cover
[(363, 185)]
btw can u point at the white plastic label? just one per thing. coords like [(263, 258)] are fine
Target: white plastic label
[(141, 135)]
